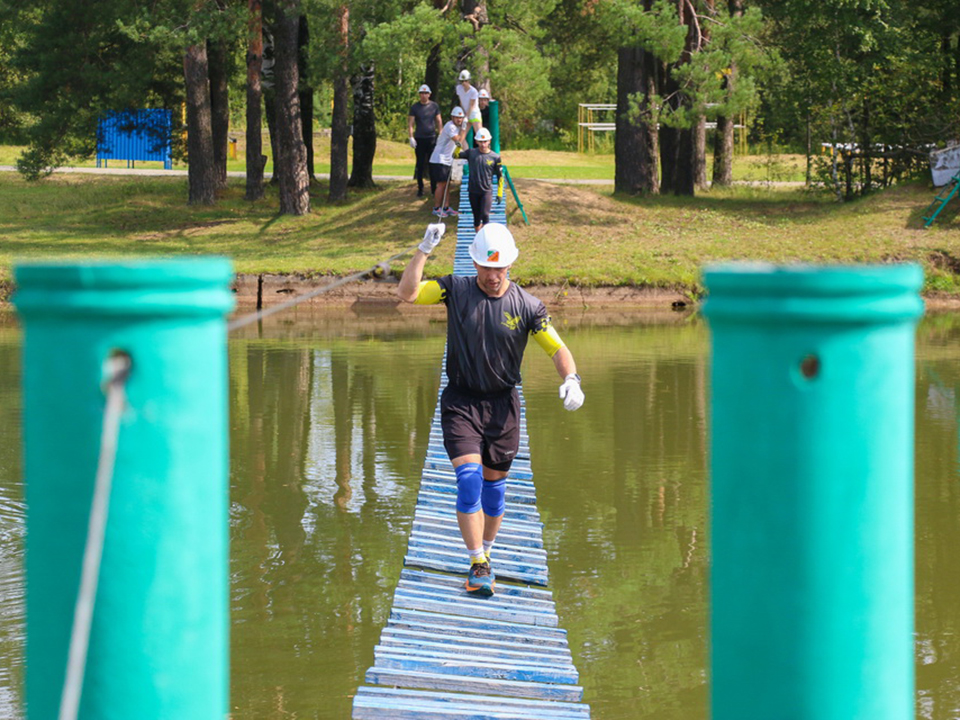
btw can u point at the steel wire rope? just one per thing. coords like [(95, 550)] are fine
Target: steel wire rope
[(116, 372), (253, 317)]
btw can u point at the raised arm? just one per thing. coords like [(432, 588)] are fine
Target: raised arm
[(409, 286)]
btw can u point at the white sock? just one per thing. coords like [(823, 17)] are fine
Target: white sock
[(487, 544), (477, 555)]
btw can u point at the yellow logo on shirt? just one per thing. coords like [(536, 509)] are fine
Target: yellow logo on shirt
[(511, 323)]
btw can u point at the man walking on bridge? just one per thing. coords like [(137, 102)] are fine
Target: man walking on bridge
[(489, 320)]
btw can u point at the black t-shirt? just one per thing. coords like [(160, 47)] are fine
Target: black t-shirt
[(487, 336), (425, 119), (483, 166)]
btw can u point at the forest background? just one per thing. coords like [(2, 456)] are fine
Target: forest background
[(880, 78)]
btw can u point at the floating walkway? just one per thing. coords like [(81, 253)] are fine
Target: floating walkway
[(447, 654)]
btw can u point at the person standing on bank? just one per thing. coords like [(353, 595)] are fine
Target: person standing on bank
[(484, 164), (423, 125), (489, 320), (469, 100), (441, 160)]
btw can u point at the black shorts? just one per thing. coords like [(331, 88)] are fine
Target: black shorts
[(480, 204), (439, 173), (488, 426)]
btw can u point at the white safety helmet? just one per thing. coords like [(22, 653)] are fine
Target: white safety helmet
[(457, 112), (494, 247), (464, 75), (484, 94), (424, 88), (483, 134)]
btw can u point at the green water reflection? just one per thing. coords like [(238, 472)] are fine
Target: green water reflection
[(329, 422)]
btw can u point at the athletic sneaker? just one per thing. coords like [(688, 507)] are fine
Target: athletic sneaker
[(438, 212), (480, 579), (450, 212)]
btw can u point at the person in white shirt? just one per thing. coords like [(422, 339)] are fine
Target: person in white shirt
[(451, 136), (469, 101)]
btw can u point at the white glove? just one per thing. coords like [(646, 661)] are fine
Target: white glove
[(570, 392), (431, 238), (413, 143)]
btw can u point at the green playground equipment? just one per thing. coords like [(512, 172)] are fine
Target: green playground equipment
[(513, 189), (943, 197)]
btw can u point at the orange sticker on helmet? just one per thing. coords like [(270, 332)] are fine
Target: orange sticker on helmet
[(493, 255)]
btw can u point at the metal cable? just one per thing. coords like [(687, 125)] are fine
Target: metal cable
[(116, 372), (260, 314)]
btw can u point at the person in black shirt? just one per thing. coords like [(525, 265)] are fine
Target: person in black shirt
[(423, 125), (489, 320), (484, 165)]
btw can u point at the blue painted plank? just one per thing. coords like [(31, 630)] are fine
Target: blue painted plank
[(366, 708), (391, 635), (505, 600), (471, 668), (450, 529), (505, 552), (413, 618), (543, 709), (440, 652), (512, 603), (478, 609), (514, 525), (455, 580), (445, 563)]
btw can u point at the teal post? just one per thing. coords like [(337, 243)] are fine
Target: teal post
[(812, 491), (494, 110), (159, 639)]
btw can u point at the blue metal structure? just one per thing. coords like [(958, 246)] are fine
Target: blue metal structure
[(134, 135), (446, 654)]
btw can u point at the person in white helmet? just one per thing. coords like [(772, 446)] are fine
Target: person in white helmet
[(469, 100), (451, 139), (484, 165), (423, 125), (483, 101), (489, 321)]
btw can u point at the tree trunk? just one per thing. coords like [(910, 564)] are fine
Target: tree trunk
[(268, 83), (339, 131), (431, 75), (291, 165), (201, 172), (306, 94), (723, 144), (700, 154), (364, 129), (635, 148), (678, 147), (218, 60), (254, 155)]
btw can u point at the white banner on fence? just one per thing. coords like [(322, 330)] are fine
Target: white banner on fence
[(944, 164)]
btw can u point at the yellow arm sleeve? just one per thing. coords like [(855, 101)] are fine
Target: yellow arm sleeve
[(549, 339), (429, 293)]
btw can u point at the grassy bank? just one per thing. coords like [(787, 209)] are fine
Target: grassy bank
[(397, 159), (580, 235)]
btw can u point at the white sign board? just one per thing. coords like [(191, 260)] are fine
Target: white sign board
[(944, 164)]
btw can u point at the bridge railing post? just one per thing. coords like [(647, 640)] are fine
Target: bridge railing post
[(159, 636), (811, 469)]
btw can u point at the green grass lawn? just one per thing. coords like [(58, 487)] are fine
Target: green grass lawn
[(396, 159), (581, 235)]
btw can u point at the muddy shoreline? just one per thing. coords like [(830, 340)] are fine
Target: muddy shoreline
[(267, 290)]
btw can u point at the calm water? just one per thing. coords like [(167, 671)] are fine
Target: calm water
[(329, 423)]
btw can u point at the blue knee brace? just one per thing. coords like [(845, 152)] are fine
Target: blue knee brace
[(492, 497), (469, 485)]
